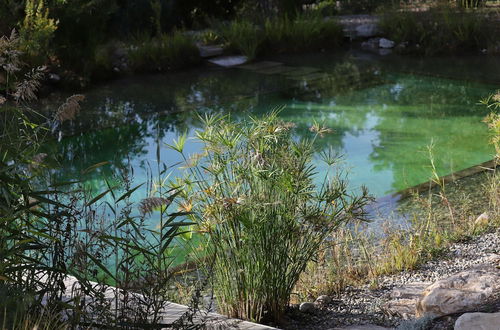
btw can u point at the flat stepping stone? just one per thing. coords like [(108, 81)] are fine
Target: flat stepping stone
[(258, 66), (228, 61), (310, 77), (301, 71), (281, 69), (210, 51)]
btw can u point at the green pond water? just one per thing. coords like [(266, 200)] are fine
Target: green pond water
[(385, 112)]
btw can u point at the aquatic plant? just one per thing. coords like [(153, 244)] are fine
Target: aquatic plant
[(262, 218), (51, 230), (242, 36), (166, 52), (304, 32), (440, 30)]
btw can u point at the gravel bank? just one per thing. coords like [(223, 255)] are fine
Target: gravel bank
[(363, 305)]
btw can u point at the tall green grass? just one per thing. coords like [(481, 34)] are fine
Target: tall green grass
[(304, 32), (253, 196), (441, 30), (50, 230), (165, 52)]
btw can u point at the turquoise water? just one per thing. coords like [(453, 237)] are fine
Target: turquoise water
[(384, 111), (383, 116)]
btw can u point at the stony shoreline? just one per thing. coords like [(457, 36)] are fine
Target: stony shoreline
[(364, 305), (391, 301)]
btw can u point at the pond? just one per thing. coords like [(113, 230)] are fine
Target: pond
[(385, 111)]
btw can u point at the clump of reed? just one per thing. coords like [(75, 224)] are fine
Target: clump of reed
[(436, 219), (304, 32), (165, 52), (261, 216), (50, 230), (441, 30)]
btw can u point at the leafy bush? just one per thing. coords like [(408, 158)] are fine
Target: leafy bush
[(253, 196), (493, 119), (303, 33), (167, 52), (440, 30), (242, 36), (306, 32), (37, 29), (51, 230)]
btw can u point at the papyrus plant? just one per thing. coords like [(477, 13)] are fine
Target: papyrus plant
[(262, 216)]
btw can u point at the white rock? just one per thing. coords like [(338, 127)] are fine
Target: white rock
[(229, 61), (461, 292), (366, 30), (386, 43), (478, 321), (306, 307)]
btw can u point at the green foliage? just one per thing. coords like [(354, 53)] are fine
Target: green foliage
[(166, 52), (470, 3), (262, 217), (493, 119), (362, 6), (242, 36), (37, 29), (440, 30), (50, 230), (305, 32)]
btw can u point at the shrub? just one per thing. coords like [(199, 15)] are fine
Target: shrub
[(50, 230), (167, 52), (306, 32), (37, 30), (440, 30), (493, 119), (280, 34), (253, 196), (242, 36)]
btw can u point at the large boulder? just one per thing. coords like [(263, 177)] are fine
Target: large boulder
[(478, 321), (461, 292), (404, 300)]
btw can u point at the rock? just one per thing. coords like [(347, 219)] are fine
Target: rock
[(404, 308), (366, 30), (404, 299), (482, 220), (229, 61), (478, 321), (306, 307), (386, 43), (323, 300), (409, 291), (461, 292)]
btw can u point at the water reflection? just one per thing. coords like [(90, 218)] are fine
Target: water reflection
[(383, 121)]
